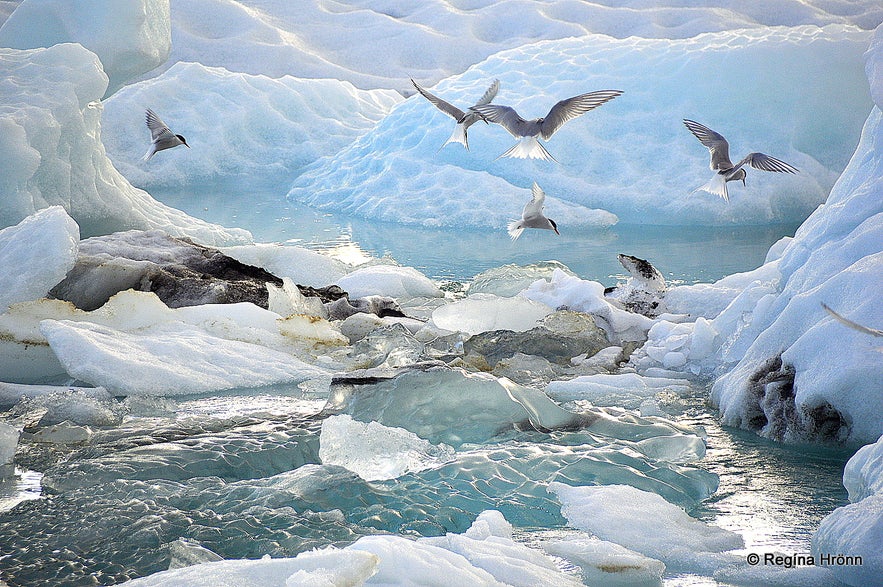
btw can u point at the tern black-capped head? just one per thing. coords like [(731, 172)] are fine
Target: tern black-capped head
[(554, 226), (183, 141)]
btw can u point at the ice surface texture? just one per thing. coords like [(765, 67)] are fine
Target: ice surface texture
[(631, 157), (47, 264), (51, 150), (130, 40)]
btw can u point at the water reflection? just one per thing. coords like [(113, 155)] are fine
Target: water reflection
[(684, 254)]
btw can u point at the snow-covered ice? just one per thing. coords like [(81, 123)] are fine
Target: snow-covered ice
[(394, 173), (645, 522), (388, 280), (238, 125)]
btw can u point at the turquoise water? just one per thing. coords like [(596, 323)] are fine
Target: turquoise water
[(240, 472)]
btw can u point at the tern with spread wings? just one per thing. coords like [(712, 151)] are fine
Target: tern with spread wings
[(528, 132), (722, 166), (464, 119), (163, 137)]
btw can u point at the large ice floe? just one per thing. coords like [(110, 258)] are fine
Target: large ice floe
[(51, 150), (397, 173)]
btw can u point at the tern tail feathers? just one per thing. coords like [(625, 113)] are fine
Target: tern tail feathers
[(515, 229), (150, 153), (717, 185), (458, 136), (528, 148)]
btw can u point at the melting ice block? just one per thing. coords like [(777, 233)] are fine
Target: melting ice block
[(377, 452), (625, 390), (330, 566), (388, 280), (8, 443), (485, 312), (301, 265), (863, 474), (488, 545), (643, 522), (42, 248), (854, 530), (608, 563)]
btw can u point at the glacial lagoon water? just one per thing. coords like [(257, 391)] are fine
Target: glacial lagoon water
[(239, 473)]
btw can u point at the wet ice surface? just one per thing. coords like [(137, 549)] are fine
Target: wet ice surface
[(241, 475)]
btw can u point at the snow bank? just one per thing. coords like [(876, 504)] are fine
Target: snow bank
[(388, 42), (395, 173), (42, 248), (130, 37), (238, 125), (51, 151)]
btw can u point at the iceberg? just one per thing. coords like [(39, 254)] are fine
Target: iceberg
[(393, 173), (238, 125), (131, 37), (51, 151)]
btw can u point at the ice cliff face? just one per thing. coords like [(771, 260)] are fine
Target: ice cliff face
[(784, 366)]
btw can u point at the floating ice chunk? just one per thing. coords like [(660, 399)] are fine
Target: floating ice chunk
[(175, 360), (377, 452), (329, 566), (863, 474), (451, 396), (854, 530), (301, 265), (625, 389), (607, 563), (508, 280), (42, 248), (238, 125), (677, 448), (132, 39), (404, 561), (484, 312), (63, 433), (9, 435), (76, 405), (311, 329), (186, 553), (568, 291), (388, 280), (643, 522), (509, 562)]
